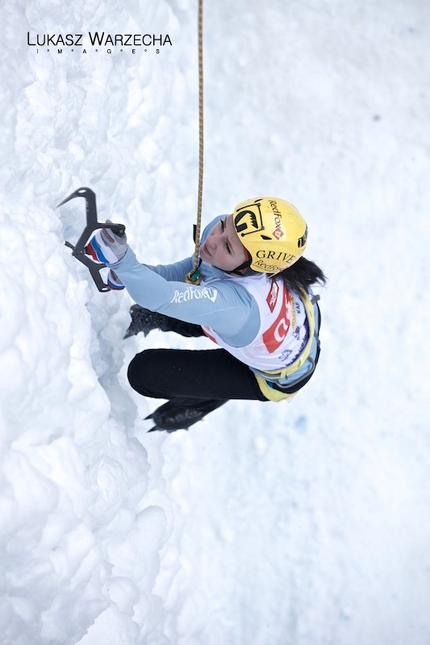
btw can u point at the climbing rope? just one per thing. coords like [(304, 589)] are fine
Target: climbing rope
[(194, 276)]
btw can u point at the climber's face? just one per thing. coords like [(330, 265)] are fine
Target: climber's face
[(222, 247)]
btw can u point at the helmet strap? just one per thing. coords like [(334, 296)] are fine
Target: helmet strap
[(244, 268)]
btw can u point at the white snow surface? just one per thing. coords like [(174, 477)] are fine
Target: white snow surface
[(267, 524)]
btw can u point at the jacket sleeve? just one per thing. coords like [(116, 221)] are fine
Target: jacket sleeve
[(177, 271), (224, 305), (173, 272)]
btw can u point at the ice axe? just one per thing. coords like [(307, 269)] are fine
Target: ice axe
[(78, 250)]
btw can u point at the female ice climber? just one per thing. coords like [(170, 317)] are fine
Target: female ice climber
[(254, 301)]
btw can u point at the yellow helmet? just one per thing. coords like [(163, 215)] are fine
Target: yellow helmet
[(272, 231)]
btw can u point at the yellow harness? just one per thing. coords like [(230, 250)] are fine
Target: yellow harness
[(266, 383)]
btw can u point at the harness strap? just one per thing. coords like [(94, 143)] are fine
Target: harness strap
[(278, 385)]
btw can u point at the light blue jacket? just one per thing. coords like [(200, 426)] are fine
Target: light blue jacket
[(221, 303)]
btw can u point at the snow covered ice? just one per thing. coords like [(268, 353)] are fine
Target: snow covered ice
[(290, 524)]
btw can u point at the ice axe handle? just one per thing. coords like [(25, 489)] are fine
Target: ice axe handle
[(92, 225)]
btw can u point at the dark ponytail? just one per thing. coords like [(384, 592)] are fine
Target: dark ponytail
[(302, 275)]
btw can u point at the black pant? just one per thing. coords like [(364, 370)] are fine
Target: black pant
[(193, 379)]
